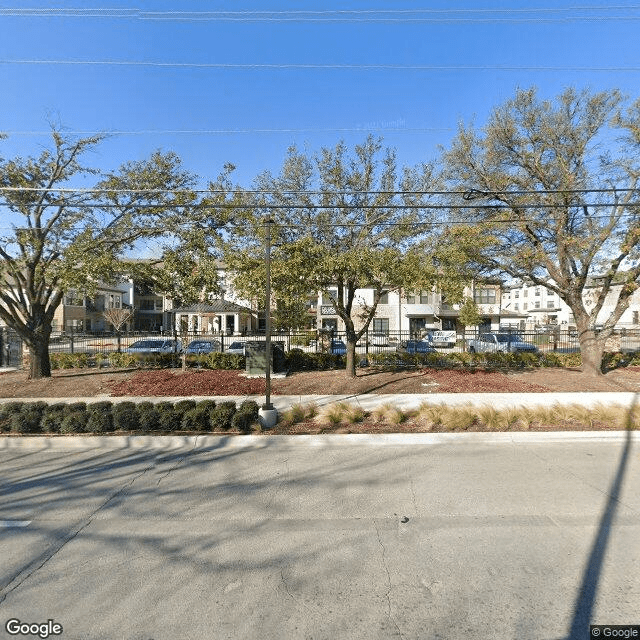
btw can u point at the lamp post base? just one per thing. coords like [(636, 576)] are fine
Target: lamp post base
[(268, 418)]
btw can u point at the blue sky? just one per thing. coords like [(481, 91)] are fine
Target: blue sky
[(473, 56)]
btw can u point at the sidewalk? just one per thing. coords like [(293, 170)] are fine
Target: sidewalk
[(370, 401)]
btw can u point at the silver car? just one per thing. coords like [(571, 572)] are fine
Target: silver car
[(153, 346)]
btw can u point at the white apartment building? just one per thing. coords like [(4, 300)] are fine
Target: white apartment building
[(539, 306)]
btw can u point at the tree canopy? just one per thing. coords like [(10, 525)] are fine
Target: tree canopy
[(340, 221), (553, 188), (63, 237)]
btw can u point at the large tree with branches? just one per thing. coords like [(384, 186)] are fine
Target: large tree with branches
[(341, 222), (553, 188), (64, 237)]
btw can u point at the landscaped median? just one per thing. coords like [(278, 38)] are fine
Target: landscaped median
[(188, 416)]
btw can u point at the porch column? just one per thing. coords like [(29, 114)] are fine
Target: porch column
[(236, 324)]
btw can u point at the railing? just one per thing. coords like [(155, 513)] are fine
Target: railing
[(314, 341)]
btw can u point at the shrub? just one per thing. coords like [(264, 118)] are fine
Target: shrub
[(148, 416), (52, 418), (73, 407), (241, 421), (221, 360), (196, 419), (100, 417), (74, 422), (182, 406), (251, 407), (222, 415), (299, 413), (6, 412), (206, 405), (27, 420), (125, 416), (169, 418), (123, 360)]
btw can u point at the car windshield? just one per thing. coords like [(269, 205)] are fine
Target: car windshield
[(148, 344)]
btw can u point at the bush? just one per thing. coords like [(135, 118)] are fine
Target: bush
[(27, 420), (241, 421), (169, 418), (6, 411), (52, 418), (222, 415), (123, 360), (221, 360), (100, 417), (196, 419), (73, 407), (251, 407), (125, 416), (206, 405), (74, 422), (148, 416), (182, 406)]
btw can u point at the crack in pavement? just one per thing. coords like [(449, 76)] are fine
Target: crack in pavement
[(178, 463), (21, 576), (387, 595)]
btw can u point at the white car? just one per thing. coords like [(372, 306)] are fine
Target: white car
[(155, 346)]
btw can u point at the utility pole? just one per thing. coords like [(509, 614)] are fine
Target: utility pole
[(267, 402)]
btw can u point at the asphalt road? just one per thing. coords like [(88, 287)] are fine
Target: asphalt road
[(328, 538)]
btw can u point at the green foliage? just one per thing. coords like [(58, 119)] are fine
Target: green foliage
[(298, 360), (125, 416), (222, 415), (148, 416), (74, 406), (52, 418), (195, 419), (241, 421), (169, 418), (123, 360), (100, 417), (74, 422), (28, 419), (469, 315)]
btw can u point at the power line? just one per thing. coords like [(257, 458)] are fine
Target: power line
[(134, 132), (540, 14), (314, 66), (469, 194)]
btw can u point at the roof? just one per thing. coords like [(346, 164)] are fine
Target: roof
[(213, 306)]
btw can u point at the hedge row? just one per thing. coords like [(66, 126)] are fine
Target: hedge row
[(214, 360), (108, 417), (299, 360)]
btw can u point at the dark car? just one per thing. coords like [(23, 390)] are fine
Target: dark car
[(155, 346), (338, 347), (197, 347), (416, 346), (236, 347)]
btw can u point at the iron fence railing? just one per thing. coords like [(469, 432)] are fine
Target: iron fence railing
[(314, 341)]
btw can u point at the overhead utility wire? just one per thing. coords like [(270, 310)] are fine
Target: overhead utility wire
[(311, 66), (468, 194)]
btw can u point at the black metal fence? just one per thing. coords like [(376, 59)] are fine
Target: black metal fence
[(316, 341)]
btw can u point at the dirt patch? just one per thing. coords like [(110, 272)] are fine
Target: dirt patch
[(168, 382)]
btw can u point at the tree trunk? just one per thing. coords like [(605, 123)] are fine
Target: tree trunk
[(39, 365), (592, 350), (351, 358)]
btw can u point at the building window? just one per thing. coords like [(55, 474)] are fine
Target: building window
[(537, 291), (635, 317), (425, 297), (516, 306), (384, 297), (537, 304), (381, 325), (484, 296), (525, 293), (411, 298), (524, 306), (516, 294), (551, 304)]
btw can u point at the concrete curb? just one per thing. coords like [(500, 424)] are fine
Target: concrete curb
[(223, 442)]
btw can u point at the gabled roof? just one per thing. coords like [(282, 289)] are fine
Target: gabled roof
[(213, 306)]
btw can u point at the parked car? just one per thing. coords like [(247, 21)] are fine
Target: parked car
[(379, 339), (505, 342), (236, 347), (338, 347), (197, 347), (416, 346), (155, 346)]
